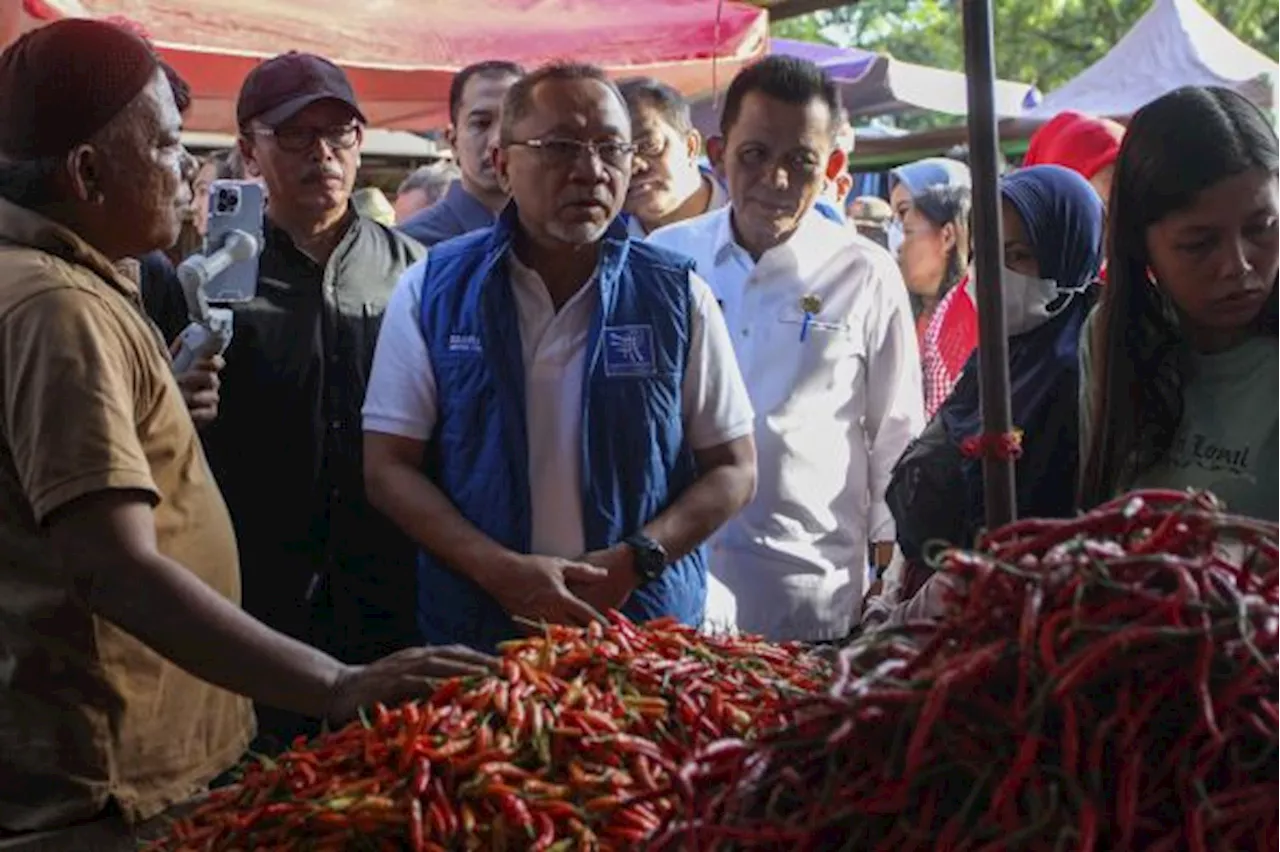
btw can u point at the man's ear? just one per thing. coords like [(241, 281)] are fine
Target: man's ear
[(836, 164), (500, 168), (248, 157), (693, 144), (451, 136), (844, 185), (85, 173), (716, 153)]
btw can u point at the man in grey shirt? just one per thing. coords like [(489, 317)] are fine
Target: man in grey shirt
[(473, 201)]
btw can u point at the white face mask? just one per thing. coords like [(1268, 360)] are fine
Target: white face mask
[(1029, 302), (896, 236)]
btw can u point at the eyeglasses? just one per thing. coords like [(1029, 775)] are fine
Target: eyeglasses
[(566, 152), (652, 147), (298, 139)]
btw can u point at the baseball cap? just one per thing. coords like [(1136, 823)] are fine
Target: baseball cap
[(284, 85)]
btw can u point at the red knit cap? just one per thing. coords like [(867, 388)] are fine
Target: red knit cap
[(62, 83), (1084, 144)]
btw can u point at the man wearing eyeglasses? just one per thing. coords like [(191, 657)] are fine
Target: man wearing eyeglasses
[(824, 336), (667, 183), (555, 414), (318, 562)]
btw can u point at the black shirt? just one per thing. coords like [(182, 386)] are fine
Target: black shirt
[(162, 294), (286, 446)]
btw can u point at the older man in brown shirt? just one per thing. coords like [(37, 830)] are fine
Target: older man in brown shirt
[(123, 651)]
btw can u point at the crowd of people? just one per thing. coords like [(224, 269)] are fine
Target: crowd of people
[(588, 370)]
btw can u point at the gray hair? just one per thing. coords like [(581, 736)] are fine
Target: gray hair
[(519, 98), (433, 179)]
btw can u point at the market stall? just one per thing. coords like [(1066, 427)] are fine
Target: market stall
[(401, 54), (1103, 682), (1176, 43), (1107, 682)]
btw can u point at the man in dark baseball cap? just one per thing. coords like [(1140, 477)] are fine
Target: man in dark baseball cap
[(280, 88), (300, 131), (317, 561)]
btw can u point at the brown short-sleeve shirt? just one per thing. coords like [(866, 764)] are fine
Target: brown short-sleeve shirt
[(88, 403)]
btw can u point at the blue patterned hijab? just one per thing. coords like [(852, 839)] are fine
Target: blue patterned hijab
[(1062, 217)]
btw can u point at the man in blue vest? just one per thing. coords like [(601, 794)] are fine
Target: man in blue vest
[(555, 413)]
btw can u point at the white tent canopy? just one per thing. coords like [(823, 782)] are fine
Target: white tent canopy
[(1176, 43)]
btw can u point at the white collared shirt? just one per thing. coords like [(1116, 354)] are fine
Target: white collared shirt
[(837, 400), (402, 395)]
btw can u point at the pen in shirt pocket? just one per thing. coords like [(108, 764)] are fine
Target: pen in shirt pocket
[(809, 305)]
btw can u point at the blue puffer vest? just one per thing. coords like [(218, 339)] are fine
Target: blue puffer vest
[(635, 461)]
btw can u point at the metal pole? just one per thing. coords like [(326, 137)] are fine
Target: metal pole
[(993, 347)]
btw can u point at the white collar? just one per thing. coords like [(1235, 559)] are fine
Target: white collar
[(815, 239)]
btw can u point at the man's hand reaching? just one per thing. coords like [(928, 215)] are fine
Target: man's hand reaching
[(538, 588), (402, 676)]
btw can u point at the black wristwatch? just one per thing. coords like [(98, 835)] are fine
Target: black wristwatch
[(651, 557)]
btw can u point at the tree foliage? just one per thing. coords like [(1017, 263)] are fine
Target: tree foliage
[(1043, 42)]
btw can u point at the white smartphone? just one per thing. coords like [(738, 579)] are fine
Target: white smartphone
[(234, 205)]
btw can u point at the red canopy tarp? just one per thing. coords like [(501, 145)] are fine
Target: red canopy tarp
[(401, 54)]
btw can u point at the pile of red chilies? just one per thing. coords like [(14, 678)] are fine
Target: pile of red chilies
[(564, 749), (1104, 683)]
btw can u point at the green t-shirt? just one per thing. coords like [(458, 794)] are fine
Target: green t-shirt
[(1226, 442)]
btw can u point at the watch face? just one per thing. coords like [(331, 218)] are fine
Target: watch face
[(649, 560), (653, 566)]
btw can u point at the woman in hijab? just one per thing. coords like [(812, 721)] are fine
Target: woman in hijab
[(1052, 250)]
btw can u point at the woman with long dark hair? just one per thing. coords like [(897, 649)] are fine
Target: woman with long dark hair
[(1179, 362)]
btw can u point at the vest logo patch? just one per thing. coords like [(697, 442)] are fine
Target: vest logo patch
[(465, 343), (628, 351)]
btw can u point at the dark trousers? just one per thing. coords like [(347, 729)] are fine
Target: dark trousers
[(339, 620)]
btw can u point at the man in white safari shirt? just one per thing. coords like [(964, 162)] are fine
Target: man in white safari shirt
[(823, 332)]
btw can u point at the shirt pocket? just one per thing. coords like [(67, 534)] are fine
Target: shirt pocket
[(821, 338)]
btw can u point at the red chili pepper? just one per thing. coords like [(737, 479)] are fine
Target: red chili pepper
[(417, 832), (546, 831), (517, 813)]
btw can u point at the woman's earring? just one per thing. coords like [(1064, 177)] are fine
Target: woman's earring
[(1168, 310)]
